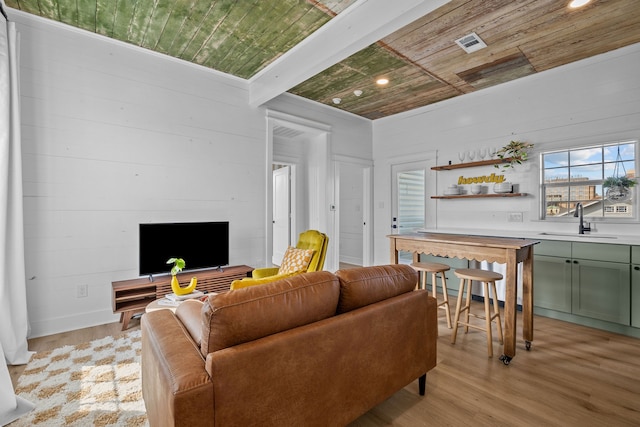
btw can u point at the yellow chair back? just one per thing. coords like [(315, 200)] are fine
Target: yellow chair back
[(313, 239)]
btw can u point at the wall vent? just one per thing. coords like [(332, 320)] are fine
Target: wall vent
[(471, 43)]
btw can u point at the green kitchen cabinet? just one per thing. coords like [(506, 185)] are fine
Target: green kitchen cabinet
[(552, 283), (592, 280), (552, 275), (635, 286), (601, 290)]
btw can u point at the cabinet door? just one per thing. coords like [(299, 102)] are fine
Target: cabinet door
[(601, 290), (635, 296), (552, 283)]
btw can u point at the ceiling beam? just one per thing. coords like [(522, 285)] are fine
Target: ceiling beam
[(360, 25)]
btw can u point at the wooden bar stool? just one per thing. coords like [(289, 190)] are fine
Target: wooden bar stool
[(435, 269), (466, 275)]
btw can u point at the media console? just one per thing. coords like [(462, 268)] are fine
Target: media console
[(130, 297)]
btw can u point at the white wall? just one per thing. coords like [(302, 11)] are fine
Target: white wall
[(351, 211), (349, 138), (114, 135), (592, 101)]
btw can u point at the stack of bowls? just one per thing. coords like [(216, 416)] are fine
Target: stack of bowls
[(476, 188), (504, 187), (452, 190)]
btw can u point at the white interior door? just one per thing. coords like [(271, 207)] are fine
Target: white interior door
[(409, 198), (408, 212), (281, 213)]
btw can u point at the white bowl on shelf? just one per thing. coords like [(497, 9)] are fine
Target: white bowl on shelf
[(452, 190), (505, 187)]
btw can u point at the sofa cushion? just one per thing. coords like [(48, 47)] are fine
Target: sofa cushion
[(246, 314), (367, 285), (295, 260)]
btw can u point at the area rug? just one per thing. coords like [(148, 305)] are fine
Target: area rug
[(92, 384)]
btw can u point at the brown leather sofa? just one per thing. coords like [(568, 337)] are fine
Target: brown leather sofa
[(316, 349)]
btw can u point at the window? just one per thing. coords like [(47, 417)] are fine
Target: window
[(411, 200), (577, 176)]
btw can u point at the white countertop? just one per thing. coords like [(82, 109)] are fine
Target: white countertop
[(593, 237)]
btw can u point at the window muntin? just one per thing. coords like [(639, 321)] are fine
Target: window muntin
[(577, 175)]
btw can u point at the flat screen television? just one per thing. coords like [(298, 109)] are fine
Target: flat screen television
[(200, 244)]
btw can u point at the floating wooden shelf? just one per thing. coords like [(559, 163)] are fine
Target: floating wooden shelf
[(471, 164), (476, 196)]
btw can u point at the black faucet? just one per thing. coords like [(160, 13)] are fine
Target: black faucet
[(580, 212)]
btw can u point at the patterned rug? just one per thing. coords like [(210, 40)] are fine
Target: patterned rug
[(92, 384)]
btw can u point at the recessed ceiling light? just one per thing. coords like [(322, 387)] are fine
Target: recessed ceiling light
[(382, 81), (357, 92), (337, 100), (574, 4)]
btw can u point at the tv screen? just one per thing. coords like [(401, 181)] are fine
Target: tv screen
[(200, 244)]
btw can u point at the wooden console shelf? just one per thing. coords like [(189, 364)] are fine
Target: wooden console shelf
[(130, 297)]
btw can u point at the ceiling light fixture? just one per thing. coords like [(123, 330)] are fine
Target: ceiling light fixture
[(574, 4), (357, 92), (382, 81), (337, 101)]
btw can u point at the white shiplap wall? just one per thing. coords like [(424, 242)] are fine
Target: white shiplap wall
[(591, 101), (114, 135)]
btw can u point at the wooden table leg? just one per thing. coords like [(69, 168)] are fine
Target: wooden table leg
[(394, 252), (527, 299), (126, 316), (510, 307)]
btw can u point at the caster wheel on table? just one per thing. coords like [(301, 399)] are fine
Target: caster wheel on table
[(527, 345), (505, 359)]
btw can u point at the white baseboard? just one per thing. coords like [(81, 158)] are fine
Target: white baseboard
[(70, 323), (350, 260)]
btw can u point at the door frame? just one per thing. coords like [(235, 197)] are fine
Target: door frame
[(291, 200), (322, 181), (367, 202), (429, 158)]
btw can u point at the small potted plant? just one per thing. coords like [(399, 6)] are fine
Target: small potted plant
[(514, 153), (178, 265)]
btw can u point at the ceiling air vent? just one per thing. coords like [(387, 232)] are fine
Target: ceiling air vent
[(471, 43)]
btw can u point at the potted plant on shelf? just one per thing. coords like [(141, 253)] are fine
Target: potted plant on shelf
[(514, 153), (178, 265)]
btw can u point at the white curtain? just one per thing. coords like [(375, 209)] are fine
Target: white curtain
[(14, 323)]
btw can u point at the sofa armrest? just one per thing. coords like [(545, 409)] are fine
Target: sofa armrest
[(259, 273), (189, 313), (176, 388)]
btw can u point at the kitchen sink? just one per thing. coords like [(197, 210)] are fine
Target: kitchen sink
[(592, 236)]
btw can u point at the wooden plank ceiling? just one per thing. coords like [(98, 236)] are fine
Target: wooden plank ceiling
[(422, 61)]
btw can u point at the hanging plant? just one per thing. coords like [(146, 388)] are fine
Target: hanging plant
[(618, 184), (619, 181), (514, 153)]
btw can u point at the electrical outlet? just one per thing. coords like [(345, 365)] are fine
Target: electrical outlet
[(514, 217), (83, 291)]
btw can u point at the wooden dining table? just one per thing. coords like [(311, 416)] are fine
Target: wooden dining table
[(504, 250)]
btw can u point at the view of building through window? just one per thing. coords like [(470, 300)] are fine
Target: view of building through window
[(579, 176)]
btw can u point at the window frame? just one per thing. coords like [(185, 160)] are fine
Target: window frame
[(543, 186)]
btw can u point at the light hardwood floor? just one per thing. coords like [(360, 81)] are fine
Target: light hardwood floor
[(573, 376)]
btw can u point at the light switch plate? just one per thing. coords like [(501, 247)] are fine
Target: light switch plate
[(514, 217)]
